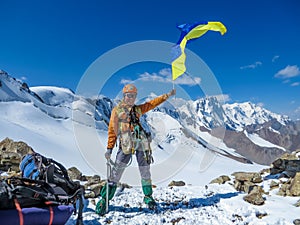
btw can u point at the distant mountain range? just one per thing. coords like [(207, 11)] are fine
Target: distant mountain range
[(249, 132)]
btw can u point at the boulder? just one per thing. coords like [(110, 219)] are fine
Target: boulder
[(11, 154), (74, 173), (296, 221), (248, 176), (93, 190), (220, 180), (273, 185), (294, 188), (245, 181), (176, 183), (287, 165), (20, 147), (255, 196), (291, 187)]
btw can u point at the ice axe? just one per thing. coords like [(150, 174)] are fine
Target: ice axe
[(108, 174)]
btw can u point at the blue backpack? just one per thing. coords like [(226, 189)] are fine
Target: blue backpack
[(31, 166)]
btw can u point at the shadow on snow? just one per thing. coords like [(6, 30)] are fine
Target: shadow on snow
[(167, 206), (130, 212)]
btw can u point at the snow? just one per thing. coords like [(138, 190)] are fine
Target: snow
[(196, 203), (189, 205), (261, 142), (54, 95)]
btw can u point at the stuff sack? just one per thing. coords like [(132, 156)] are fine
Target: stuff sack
[(29, 202), (50, 215)]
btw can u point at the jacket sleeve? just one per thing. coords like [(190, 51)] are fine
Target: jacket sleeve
[(153, 103), (112, 130)]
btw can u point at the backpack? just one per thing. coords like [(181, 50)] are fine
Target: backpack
[(37, 167), (45, 181)]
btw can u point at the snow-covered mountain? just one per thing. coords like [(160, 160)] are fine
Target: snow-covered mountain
[(53, 119), (207, 122), (186, 146), (233, 122)]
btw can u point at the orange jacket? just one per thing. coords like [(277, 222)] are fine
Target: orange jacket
[(118, 115)]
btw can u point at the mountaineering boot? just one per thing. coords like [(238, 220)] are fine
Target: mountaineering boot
[(147, 190), (150, 202), (101, 205)]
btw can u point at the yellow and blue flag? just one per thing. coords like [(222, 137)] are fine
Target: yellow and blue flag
[(189, 32)]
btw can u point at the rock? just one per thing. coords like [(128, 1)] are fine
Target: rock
[(297, 204), (243, 186), (290, 156), (260, 215), (274, 185), (124, 185), (248, 176), (287, 164), (246, 181), (220, 180), (93, 180), (176, 183), (283, 189), (296, 221), (74, 173), (8, 145), (255, 197), (94, 190), (291, 187), (266, 170), (11, 154), (295, 185)]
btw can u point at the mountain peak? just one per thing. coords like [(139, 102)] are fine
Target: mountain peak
[(2, 72)]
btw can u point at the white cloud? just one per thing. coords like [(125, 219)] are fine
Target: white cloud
[(275, 58), (295, 115), (260, 104), (153, 77), (288, 72), (251, 66), (295, 84), (125, 81), (187, 80), (22, 79), (286, 81), (165, 72), (297, 111), (223, 98), (165, 76)]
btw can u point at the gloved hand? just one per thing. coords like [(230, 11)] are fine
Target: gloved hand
[(172, 92), (108, 153)]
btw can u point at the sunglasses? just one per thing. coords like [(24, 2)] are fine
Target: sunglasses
[(130, 95)]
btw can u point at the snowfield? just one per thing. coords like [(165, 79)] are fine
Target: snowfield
[(210, 204)]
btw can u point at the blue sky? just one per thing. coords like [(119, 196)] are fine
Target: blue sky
[(258, 59)]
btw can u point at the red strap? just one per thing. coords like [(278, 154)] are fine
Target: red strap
[(18, 207), (51, 215)]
